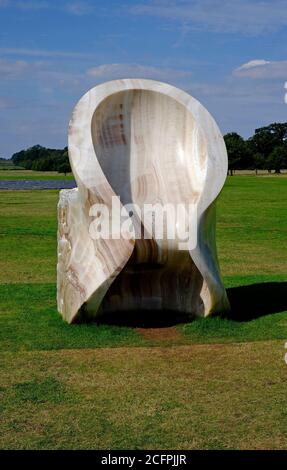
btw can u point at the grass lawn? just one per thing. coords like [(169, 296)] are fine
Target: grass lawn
[(8, 165), (20, 174), (216, 383)]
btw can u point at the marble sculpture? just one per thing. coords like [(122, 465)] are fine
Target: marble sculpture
[(140, 142)]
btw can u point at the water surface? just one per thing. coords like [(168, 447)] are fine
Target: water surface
[(37, 184)]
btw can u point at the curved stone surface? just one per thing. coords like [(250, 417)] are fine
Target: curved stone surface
[(141, 142)]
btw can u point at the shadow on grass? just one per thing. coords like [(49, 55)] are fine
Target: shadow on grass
[(257, 300), (247, 303), (145, 318)]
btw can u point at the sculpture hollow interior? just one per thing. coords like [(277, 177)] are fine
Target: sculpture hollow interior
[(146, 143)]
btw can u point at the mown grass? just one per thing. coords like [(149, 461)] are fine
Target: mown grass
[(35, 325), (16, 173), (252, 227), (189, 397), (221, 385), (9, 165), (252, 234), (252, 230)]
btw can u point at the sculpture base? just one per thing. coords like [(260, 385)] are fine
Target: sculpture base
[(85, 292)]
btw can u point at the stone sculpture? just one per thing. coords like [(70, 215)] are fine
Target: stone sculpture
[(142, 142)]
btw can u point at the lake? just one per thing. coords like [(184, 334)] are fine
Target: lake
[(37, 184)]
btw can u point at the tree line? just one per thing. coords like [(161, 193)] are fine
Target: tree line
[(265, 150), (39, 158)]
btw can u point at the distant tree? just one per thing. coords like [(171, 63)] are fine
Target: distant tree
[(39, 158), (64, 168), (64, 164), (43, 164), (266, 139), (237, 151), (277, 160), (278, 131), (35, 165), (262, 142), (18, 157), (258, 162)]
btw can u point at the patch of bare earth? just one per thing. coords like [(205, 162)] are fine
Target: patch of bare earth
[(161, 334)]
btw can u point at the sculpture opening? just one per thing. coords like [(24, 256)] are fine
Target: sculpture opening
[(149, 147)]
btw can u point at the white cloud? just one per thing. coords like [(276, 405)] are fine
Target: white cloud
[(42, 53), (112, 71), (79, 8), (263, 69), (60, 78), (45, 74), (24, 5), (12, 69), (239, 92), (221, 16), (73, 7), (5, 103), (253, 63), (41, 71)]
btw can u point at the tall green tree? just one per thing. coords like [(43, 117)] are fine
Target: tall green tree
[(258, 162), (64, 168), (237, 150), (41, 159), (266, 140), (277, 160)]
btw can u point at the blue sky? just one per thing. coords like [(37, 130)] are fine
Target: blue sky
[(229, 54)]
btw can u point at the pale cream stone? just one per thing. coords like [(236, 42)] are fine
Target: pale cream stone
[(147, 142)]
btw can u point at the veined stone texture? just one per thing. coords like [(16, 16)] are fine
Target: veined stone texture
[(144, 142)]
